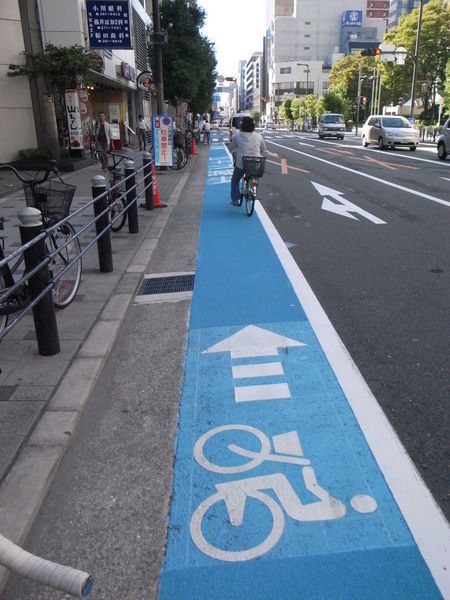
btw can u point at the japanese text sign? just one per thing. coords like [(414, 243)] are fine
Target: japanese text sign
[(109, 23), (162, 131)]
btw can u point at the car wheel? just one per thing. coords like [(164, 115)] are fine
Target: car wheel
[(364, 143), (413, 148), (380, 143), (442, 154)]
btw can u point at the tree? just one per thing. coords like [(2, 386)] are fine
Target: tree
[(285, 112), (59, 66), (433, 53), (189, 60), (255, 115), (295, 108)]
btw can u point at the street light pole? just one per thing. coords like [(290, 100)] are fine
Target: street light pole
[(158, 58), (307, 73), (416, 58)]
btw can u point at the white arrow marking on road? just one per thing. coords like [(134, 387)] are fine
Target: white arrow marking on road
[(345, 206), (252, 341)]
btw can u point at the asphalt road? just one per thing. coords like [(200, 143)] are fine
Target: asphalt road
[(382, 275)]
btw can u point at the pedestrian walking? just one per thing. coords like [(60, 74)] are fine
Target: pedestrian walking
[(207, 130), (246, 142), (103, 139), (142, 130)]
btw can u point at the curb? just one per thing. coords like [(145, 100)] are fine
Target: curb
[(28, 481)]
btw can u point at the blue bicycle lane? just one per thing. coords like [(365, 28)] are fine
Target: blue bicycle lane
[(277, 493)]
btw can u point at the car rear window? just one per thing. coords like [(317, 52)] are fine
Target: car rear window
[(236, 122)]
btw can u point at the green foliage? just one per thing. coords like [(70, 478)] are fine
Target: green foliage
[(255, 115), (189, 60), (59, 65), (295, 108), (33, 154), (285, 112), (433, 53), (335, 103)]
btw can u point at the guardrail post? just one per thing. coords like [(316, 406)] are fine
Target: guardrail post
[(102, 229), (148, 182), (44, 311), (133, 222)]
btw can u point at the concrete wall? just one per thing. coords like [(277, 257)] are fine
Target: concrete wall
[(61, 22), (16, 115)]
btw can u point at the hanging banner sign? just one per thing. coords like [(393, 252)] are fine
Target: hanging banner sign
[(109, 23), (162, 131), (74, 119)]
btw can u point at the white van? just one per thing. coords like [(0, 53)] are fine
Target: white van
[(331, 125), (235, 122)]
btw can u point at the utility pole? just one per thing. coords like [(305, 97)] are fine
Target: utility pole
[(157, 45), (358, 99), (42, 101), (416, 59)]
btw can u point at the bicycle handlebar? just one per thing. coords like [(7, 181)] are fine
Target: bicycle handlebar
[(52, 168)]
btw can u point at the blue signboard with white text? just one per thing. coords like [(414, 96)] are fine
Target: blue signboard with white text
[(109, 23), (352, 18)]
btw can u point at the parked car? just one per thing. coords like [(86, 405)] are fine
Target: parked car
[(270, 125), (331, 125), (443, 143), (389, 131)]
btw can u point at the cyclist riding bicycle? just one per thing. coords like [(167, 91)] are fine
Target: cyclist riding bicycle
[(247, 142)]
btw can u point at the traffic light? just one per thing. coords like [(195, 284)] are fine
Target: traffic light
[(371, 52), (230, 78)]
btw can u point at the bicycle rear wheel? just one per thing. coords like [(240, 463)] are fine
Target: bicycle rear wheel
[(251, 195), (118, 209), (67, 283)]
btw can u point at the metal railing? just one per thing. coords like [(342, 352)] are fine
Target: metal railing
[(42, 257)]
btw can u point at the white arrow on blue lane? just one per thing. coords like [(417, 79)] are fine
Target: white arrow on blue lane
[(345, 206), (252, 341)]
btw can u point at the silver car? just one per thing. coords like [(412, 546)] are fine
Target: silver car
[(389, 131), (443, 143)]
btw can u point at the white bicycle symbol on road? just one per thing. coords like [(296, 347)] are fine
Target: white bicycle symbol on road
[(234, 493)]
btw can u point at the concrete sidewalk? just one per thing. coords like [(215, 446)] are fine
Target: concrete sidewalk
[(42, 398)]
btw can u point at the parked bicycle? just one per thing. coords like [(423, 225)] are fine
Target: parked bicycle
[(53, 198), (253, 169), (116, 197)]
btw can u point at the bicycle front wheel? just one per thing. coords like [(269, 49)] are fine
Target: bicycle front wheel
[(64, 248), (251, 196), (118, 209)]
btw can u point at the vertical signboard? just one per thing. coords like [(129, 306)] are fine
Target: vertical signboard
[(162, 132), (74, 119), (109, 23)]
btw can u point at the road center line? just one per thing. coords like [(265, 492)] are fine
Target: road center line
[(389, 183)]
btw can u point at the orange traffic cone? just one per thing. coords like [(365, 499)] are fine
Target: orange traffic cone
[(156, 199), (193, 147)]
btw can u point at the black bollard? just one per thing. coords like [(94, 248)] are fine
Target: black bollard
[(102, 229), (148, 182), (44, 311), (133, 222)]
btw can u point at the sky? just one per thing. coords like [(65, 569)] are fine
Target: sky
[(236, 27)]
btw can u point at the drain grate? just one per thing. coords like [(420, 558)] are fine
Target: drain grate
[(167, 285)]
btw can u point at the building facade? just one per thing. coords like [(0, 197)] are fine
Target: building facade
[(307, 37), (112, 88), (400, 8)]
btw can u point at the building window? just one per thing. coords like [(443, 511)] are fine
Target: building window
[(307, 22), (306, 48), (284, 70), (307, 35)]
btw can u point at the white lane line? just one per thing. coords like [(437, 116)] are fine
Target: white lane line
[(257, 370), (270, 391), (425, 520), (383, 181)]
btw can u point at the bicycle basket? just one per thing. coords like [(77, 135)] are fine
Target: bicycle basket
[(254, 165), (53, 199)]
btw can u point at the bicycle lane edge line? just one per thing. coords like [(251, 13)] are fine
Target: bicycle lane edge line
[(317, 401)]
